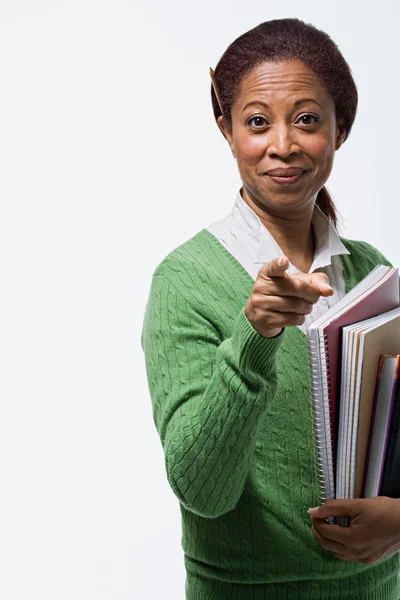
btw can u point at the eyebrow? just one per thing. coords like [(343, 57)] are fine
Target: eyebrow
[(300, 101)]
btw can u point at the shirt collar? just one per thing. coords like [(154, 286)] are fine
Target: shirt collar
[(327, 241)]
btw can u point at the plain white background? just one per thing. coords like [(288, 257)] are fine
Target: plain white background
[(110, 158)]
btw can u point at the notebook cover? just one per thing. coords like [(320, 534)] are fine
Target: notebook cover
[(392, 404), (390, 485)]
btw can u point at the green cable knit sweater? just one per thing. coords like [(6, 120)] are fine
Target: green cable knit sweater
[(233, 411)]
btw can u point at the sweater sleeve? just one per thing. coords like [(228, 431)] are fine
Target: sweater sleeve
[(208, 396)]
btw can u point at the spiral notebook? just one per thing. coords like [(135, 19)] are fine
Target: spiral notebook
[(377, 293)]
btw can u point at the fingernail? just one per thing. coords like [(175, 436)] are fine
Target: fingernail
[(328, 287), (281, 261), (313, 509)]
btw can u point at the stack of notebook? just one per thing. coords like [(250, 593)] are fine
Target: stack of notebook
[(381, 475), (346, 346)]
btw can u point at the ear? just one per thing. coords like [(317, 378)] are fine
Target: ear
[(340, 133), (227, 133)]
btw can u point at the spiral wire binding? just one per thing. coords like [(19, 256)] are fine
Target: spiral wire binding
[(320, 393)]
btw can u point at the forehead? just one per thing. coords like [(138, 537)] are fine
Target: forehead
[(283, 80)]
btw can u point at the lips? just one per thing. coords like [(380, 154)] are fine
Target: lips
[(288, 172), (288, 180)]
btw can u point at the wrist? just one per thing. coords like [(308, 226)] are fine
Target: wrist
[(273, 333), (257, 352), (264, 332)]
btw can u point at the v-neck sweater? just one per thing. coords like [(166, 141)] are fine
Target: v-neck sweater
[(233, 410)]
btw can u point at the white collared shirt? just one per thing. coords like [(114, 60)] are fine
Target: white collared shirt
[(249, 241)]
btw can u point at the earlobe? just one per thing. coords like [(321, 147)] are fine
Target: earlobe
[(221, 125), (341, 135), (338, 142), (340, 139), (226, 132)]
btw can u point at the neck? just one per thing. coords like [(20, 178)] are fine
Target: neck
[(293, 235)]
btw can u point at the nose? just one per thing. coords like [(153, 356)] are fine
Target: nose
[(282, 141)]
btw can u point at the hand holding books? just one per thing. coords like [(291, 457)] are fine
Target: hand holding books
[(279, 300), (374, 530)]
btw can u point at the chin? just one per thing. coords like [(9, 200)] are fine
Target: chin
[(286, 200)]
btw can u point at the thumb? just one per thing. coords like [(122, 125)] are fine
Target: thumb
[(336, 508), (276, 267)]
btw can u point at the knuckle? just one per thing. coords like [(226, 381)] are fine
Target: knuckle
[(258, 288), (324, 542), (262, 275), (262, 280), (324, 277), (317, 536), (295, 284), (272, 266), (307, 308), (296, 319), (251, 306), (324, 529)]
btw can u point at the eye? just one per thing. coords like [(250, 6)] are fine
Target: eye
[(257, 118), (308, 116)]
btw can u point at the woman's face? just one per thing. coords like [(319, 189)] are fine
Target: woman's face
[(284, 117)]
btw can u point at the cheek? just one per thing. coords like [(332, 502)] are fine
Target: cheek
[(321, 149), (250, 149)]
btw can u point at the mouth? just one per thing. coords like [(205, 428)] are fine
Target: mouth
[(281, 180)]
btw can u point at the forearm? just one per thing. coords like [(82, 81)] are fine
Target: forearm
[(210, 438)]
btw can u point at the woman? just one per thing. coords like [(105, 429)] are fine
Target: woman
[(225, 344)]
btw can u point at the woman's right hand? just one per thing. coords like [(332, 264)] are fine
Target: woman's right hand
[(279, 300)]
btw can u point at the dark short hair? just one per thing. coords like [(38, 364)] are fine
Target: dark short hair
[(288, 39)]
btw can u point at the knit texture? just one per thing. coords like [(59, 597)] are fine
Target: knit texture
[(234, 413)]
